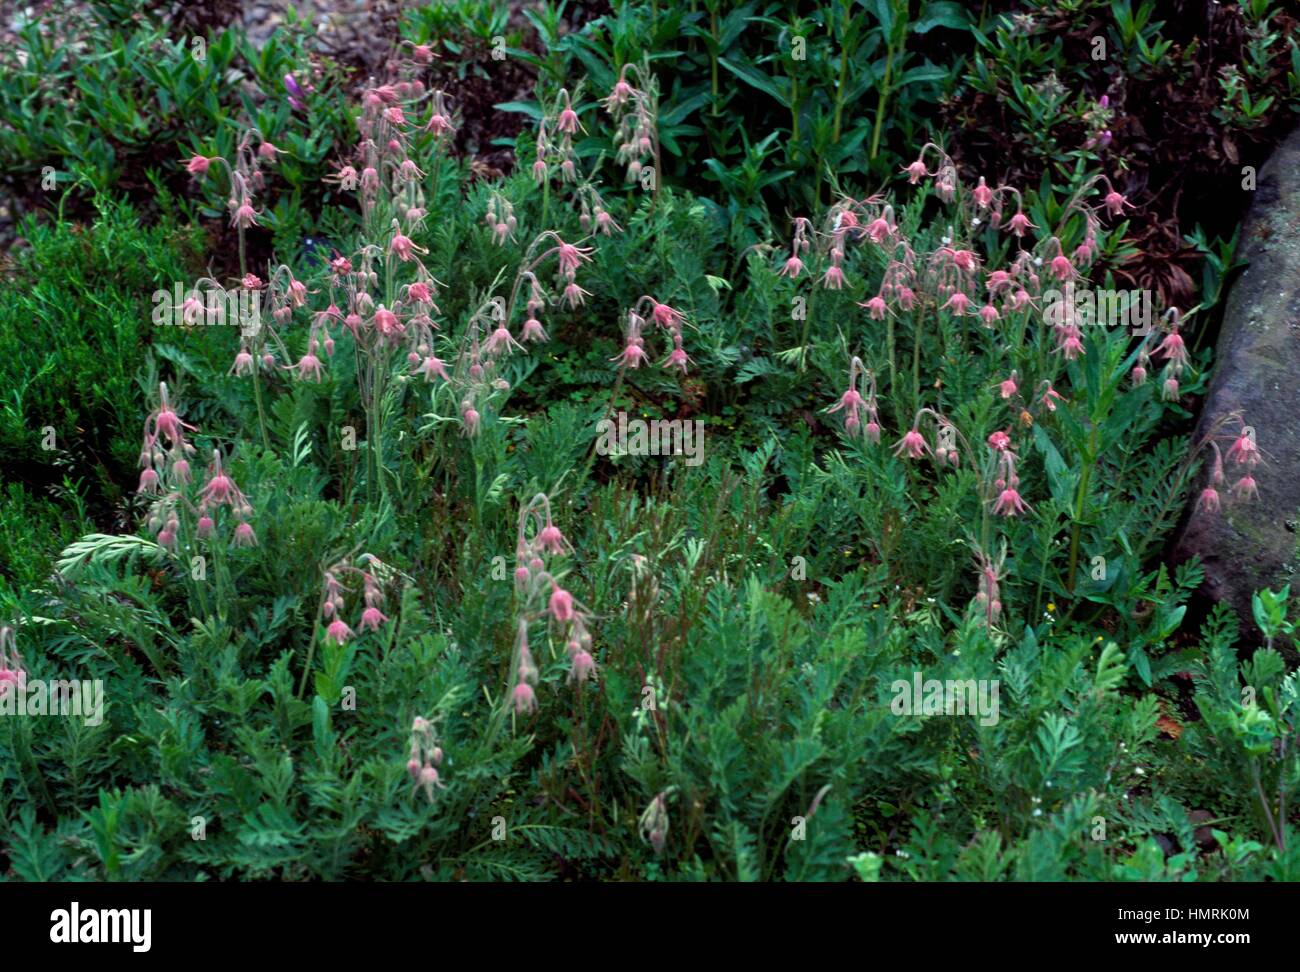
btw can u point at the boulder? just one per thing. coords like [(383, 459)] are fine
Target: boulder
[(1250, 545)]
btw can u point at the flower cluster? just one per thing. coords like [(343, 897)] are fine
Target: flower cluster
[(1242, 458), (333, 603), (166, 475), (635, 111), (426, 757), (648, 310), (855, 407), (555, 135), (542, 598)]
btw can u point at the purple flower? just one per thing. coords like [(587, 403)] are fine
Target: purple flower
[(296, 96)]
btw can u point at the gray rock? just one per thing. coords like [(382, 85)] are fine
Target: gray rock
[(1251, 545)]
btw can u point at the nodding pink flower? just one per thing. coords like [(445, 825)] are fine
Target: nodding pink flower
[(244, 217), (1019, 299), (522, 575), (181, 472), (167, 538), (1245, 488), (988, 314), (958, 303), (308, 366), (568, 122), (1208, 501), (850, 400), (963, 260), (205, 526), (1009, 503), (386, 322), (243, 364), (338, 631), (983, 194), (906, 298), (220, 489), (916, 171), (1138, 375), (533, 330), (1244, 451), (402, 247), (605, 223), (525, 700), (500, 340), (632, 355), (998, 280), (1008, 387), (792, 268), (677, 359), (665, 316), (149, 482), (251, 281), (244, 536), (268, 152), (582, 668), (872, 432), (395, 116), (1115, 203), (433, 365), (471, 418), (539, 172), (551, 539), (571, 257), (1175, 349), (439, 124), (875, 308), (912, 444), (1071, 343), (420, 292), (561, 604), (1000, 441), (573, 294), (879, 230), (1062, 268), (1169, 390), (413, 768), (1051, 397), (1019, 223), (371, 619), (833, 279), (197, 165)]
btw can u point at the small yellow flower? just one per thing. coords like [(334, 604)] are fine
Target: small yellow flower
[(1051, 607)]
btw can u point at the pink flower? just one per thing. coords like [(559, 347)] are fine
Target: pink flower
[(149, 482), (833, 279), (875, 308), (338, 631), (533, 330), (677, 359), (1019, 223), (244, 217), (1000, 441), (205, 526), (1115, 203), (524, 698), (243, 364), (572, 257), (1174, 348), (471, 418), (551, 539), (632, 355), (916, 171), (573, 294), (983, 194), (197, 165), (568, 122), (1245, 488), (561, 604), (1009, 503), (1008, 387), (501, 340), (1169, 391), (913, 444), (792, 268), (665, 316), (958, 303), (1244, 451), (988, 314), (582, 667), (371, 619), (1051, 397), (1138, 375), (1208, 500), (402, 247), (1062, 268), (244, 536), (308, 366)]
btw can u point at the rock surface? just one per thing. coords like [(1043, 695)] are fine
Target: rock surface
[(1257, 373)]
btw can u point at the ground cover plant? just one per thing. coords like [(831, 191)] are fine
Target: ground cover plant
[(643, 507)]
